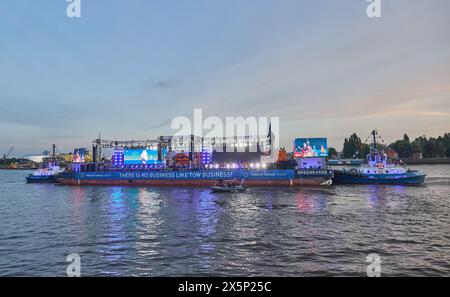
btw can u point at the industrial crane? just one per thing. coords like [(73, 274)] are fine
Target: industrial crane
[(6, 156)]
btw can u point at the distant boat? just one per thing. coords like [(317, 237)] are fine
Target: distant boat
[(378, 170)]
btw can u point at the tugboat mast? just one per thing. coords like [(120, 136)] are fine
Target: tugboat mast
[(374, 134), (54, 152)]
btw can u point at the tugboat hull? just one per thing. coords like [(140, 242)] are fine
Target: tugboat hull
[(412, 178), (41, 179)]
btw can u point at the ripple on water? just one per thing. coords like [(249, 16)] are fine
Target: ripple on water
[(264, 232)]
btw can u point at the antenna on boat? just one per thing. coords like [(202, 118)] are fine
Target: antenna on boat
[(97, 148)]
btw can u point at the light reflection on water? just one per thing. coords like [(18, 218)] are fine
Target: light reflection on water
[(115, 243), (269, 232)]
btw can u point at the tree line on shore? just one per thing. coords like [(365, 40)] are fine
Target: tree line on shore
[(421, 147)]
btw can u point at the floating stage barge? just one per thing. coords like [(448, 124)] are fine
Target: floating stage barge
[(191, 161), (201, 178)]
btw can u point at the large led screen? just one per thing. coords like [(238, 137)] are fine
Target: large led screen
[(140, 156), (79, 155), (310, 147)]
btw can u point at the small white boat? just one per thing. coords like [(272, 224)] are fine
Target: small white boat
[(229, 187)]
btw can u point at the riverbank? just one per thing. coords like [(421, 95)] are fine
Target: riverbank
[(410, 161), (19, 168), (427, 161)]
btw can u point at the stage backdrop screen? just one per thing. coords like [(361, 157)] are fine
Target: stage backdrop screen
[(310, 147), (140, 156)]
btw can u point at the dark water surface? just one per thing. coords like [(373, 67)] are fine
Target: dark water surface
[(263, 232)]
